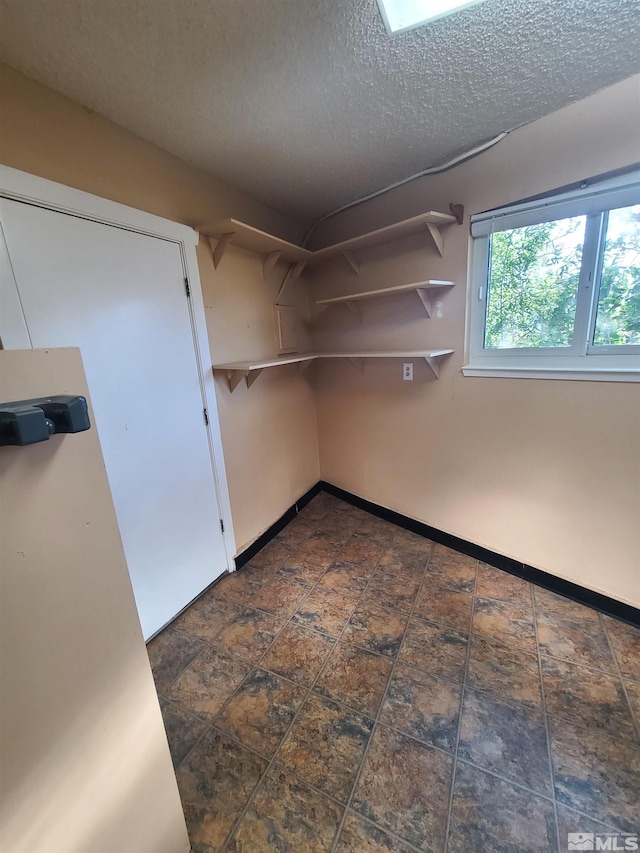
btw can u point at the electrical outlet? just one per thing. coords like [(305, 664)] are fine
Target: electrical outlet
[(407, 370)]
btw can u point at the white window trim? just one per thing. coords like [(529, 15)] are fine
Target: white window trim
[(578, 361)]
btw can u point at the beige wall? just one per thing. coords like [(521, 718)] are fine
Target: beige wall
[(546, 472), (269, 431), (543, 471), (269, 435), (85, 760)]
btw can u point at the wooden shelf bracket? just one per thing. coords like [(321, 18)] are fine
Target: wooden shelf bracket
[(250, 370), (424, 289), (234, 378), (221, 247), (436, 236), (358, 363), (351, 259), (251, 377), (457, 211), (269, 263), (297, 270), (290, 276), (434, 364), (426, 299), (354, 309)]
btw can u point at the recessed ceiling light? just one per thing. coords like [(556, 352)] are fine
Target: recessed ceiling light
[(402, 15)]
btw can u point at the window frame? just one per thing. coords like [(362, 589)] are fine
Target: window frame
[(582, 359)]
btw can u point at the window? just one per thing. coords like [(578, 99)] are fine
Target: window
[(402, 15), (555, 288)]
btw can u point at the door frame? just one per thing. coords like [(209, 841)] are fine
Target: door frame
[(31, 189)]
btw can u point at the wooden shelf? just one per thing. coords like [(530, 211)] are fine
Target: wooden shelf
[(250, 370), (236, 371), (429, 222), (422, 288), (231, 231), (430, 356)]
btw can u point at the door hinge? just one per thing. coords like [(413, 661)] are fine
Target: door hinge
[(206, 417), (187, 288), (222, 525)]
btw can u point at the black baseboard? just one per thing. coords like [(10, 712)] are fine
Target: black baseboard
[(277, 526), (580, 594)]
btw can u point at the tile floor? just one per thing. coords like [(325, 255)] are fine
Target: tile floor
[(356, 688)]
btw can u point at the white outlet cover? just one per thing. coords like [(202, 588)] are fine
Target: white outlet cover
[(407, 370)]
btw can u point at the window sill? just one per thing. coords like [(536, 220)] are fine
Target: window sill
[(588, 373)]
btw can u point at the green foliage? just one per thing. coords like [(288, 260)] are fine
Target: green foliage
[(533, 283), (618, 320)]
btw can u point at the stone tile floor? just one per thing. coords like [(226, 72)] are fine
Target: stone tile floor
[(356, 688)]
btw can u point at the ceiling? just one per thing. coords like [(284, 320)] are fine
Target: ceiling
[(308, 104)]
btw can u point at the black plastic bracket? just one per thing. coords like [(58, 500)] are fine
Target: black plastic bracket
[(30, 421)]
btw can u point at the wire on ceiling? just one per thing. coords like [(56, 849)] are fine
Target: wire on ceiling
[(432, 171)]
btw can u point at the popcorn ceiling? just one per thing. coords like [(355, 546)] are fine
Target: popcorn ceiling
[(307, 104)]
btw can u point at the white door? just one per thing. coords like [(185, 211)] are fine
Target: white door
[(120, 296)]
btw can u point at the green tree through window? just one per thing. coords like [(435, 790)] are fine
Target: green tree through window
[(618, 318), (555, 284), (533, 284), (534, 272)]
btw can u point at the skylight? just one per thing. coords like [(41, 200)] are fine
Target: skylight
[(402, 15)]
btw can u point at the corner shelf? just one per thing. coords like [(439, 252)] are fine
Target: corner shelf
[(232, 231), (250, 370), (431, 356), (422, 288), (431, 222), (236, 371)]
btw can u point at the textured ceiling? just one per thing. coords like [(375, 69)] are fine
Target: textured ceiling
[(307, 104)]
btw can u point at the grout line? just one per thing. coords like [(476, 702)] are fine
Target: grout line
[(377, 826), (306, 783), (507, 779), (211, 643), (308, 694), (426, 577), (593, 669), (207, 643), (374, 730), (272, 762), (214, 723), (635, 720), (546, 721), (252, 667), (610, 826), (271, 572), (630, 742), (454, 768), (209, 725), (256, 665)]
